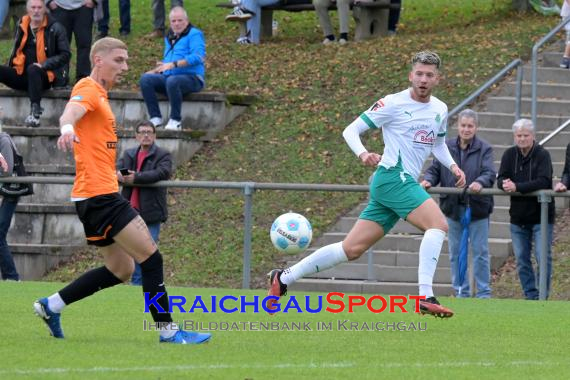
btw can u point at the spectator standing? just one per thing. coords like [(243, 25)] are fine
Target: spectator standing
[(565, 12), (7, 209), (527, 167), (564, 183), (147, 164), (475, 157), (180, 72), (77, 18), (39, 57), (124, 17), (158, 13), (343, 10), (249, 11), (394, 16), (4, 6)]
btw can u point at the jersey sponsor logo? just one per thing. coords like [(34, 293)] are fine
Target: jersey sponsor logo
[(424, 137), (111, 145), (379, 104), (77, 98), (437, 118)]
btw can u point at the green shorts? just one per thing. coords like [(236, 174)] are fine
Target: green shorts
[(393, 195)]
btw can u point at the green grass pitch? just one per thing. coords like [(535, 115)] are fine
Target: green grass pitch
[(495, 339)]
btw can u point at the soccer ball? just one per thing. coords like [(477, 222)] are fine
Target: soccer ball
[(291, 233)]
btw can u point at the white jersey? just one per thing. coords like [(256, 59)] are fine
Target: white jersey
[(410, 129)]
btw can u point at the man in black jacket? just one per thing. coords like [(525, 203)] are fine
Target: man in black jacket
[(146, 164), (527, 167), (475, 157), (39, 57)]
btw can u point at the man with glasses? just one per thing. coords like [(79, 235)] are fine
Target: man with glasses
[(145, 164)]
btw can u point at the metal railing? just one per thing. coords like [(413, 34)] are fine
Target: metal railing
[(555, 132), (534, 65), (504, 71), (249, 188)]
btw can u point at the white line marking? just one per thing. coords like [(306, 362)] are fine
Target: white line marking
[(280, 366)]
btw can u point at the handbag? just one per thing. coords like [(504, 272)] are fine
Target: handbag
[(9, 189)]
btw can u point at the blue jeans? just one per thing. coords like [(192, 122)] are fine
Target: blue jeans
[(254, 23), (154, 230), (124, 17), (7, 266), (174, 86), (523, 237), (4, 5), (478, 242)]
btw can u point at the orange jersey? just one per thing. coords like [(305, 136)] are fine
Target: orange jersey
[(95, 153)]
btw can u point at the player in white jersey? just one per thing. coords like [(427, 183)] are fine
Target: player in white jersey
[(413, 124)]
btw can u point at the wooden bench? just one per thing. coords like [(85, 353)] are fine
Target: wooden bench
[(371, 17), (16, 10)]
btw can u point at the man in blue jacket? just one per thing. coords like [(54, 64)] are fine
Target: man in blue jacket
[(146, 164), (475, 157), (180, 72)]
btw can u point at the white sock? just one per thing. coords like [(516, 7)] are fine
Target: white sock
[(169, 331), (322, 259), (430, 248), (55, 303)]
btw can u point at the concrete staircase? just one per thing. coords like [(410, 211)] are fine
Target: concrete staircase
[(395, 257), (45, 229)]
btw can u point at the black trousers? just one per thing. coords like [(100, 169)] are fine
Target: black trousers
[(34, 81), (80, 23)]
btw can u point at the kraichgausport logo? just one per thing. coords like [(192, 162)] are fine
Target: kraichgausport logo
[(333, 302)]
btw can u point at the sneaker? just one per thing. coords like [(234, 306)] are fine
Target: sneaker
[(156, 121), (51, 319), (243, 41), (33, 119), (565, 63), (239, 14), (101, 35), (276, 287), (173, 125), (157, 33), (328, 41), (342, 41), (431, 306), (187, 337)]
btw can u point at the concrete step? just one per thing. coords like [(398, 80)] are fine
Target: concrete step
[(501, 120), (500, 248), (500, 136), (365, 287), (543, 90), (384, 273), (547, 74), (544, 106), (551, 59), (206, 111), (392, 258), (38, 145), (497, 229), (34, 260), (45, 224), (557, 153)]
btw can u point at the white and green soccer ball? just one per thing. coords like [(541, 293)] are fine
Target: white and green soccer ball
[(291, 233)]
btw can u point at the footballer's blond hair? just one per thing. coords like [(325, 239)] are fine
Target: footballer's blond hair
[(427, 57), (104, 46)]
